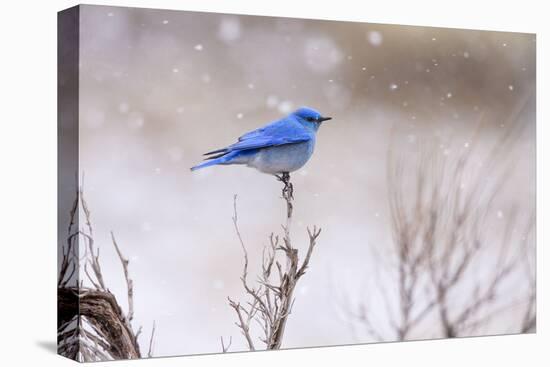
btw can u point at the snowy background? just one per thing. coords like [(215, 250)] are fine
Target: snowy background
[(159, 88)]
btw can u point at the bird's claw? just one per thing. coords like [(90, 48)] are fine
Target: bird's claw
[(288, 189)]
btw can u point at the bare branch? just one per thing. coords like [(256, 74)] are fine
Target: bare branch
[(91, 324), (129, 282), (440, 213), (272, 300), (244, 326), (225, 348), (151, 339)]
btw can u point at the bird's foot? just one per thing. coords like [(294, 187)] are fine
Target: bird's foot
[(288, 189)]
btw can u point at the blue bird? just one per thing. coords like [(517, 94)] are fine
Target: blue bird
[(280, 147)]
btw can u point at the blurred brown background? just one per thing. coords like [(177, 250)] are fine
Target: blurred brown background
[(159, 88)]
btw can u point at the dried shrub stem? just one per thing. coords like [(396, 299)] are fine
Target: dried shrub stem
[(271, 300), (91, 324), (441, 208)]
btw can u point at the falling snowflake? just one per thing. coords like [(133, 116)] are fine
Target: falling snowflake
[(198, 47), (449, 95), (272, 101), (375, 38), (123, 107), (165, 22), (285, 106), (218, 284), (175, 153), (393, 86), (500, 214), (466, 145), (136, 122), (175, 70), (511, 87), (240, 115), (322, 54), (466, 54), (229, 29)]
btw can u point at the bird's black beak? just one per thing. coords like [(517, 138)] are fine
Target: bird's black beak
[(321, 119)]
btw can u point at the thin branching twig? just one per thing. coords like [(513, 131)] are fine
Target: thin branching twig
[(272, 298), (441, 207), (91, 324)]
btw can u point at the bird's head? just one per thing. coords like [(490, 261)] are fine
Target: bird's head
[(309, 117)]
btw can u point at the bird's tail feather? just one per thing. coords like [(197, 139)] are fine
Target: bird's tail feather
[(222, 150), (215, 156), (212, 162), (205, 164)]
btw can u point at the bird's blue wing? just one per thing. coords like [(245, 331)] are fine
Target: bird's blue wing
[(269, 129), (284, 131), (267, 141)]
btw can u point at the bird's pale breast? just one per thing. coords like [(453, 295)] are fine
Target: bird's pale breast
[(283, 158)]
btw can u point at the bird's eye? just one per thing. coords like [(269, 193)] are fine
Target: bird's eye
[(311, 119)]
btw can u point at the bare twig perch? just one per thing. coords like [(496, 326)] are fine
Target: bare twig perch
[(271, 299), (91, 324)]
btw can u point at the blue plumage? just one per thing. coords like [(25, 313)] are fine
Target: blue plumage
[(281, 146)]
